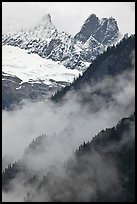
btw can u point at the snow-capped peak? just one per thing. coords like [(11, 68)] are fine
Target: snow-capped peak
[(45, 22), (72, 51), (46, 18)]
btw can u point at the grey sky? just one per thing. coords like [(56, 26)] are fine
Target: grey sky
[(68, 16)]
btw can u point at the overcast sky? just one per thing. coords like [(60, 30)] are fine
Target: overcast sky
[(67, 16)]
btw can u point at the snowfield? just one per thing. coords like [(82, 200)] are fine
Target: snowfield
[(33, 68)]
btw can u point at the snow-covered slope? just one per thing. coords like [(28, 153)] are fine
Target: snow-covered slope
[(29, 76), (33, 68)]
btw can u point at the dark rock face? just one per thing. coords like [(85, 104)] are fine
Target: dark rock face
[(107, 32), (104, 31), (89, 28)]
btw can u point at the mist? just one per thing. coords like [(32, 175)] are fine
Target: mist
[(76, 180), (71, 122), (66, 126)]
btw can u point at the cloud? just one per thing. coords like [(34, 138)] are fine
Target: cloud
[(66, 126), (73, 119)]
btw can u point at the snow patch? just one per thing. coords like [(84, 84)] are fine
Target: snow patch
[(32, 67)]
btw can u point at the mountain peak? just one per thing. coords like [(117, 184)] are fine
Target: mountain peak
[(46, 22), (104, 30), (46, 18), (92, 16), (88, 28), (111, 19), (92, 19)]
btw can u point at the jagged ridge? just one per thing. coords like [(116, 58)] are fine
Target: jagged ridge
[(74, 52)]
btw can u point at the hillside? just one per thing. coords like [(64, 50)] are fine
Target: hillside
[(105, 164)]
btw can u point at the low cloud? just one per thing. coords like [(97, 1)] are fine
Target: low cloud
[(79, 180), (66, 127)]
